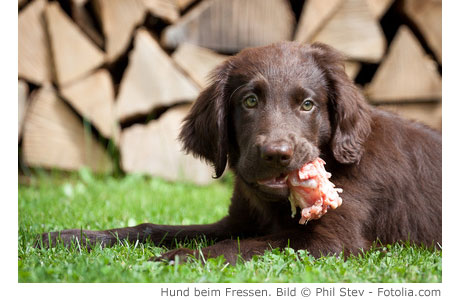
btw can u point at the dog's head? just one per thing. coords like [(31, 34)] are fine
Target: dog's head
[(270, 110)]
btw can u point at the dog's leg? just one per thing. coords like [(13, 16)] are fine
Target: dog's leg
[(318, 240), (158, 234), (231, 249)]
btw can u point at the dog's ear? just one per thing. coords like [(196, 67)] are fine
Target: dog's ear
[(351, 121), (204, 130)]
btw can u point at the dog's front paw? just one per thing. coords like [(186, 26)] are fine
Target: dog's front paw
[(42, 240), (182, 254), (50, 239), (82, 238)]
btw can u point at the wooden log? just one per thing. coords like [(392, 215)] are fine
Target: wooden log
[(427, 15), (34, 60), (23, 91), (74, 55), (406, 74), (198, 62), (163, 9), (151, 80), (93, 98), (119, 18), (231, 25), (314, 16), (82, 18), (54, 137), (428, 113), (352, 68), (154, 149), (354, 31), (183, 4), (379, 7)]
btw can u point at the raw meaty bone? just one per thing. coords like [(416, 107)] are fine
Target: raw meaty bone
[(312, 191)]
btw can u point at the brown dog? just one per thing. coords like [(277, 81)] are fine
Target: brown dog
[(270, 110)]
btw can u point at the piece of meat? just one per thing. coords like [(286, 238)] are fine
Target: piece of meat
[(311, 190)]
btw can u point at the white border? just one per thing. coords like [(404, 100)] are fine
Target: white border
[(8, 235)]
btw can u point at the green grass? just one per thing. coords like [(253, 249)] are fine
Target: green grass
[(82, 200)]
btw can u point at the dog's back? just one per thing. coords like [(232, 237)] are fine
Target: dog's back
[(402, 172)]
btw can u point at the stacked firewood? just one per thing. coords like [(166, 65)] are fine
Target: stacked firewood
[(121, 74)]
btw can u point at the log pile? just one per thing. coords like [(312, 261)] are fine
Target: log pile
[(95, 75)]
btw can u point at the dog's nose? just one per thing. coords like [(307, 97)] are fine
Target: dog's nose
[(277, 153)]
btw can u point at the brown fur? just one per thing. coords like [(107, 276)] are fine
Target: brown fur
[(389, 168)]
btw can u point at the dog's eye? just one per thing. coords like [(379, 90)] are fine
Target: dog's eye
[(250, 101), (307, 104)]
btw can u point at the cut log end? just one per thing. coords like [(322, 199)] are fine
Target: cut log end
[(54, 137), (230, 27), (406, 74), (354, 31), (154, 149), (151, 80), (34, 56), (93, 98), (197, 62), (74, 55)]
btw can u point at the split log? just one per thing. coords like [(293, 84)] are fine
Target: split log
[(119, 18), (198, 62), (354, 31), (93, 98), (74, 54), (151, 80), (427, 15), (183, 4), (34, 59), (163, 9), (23, 91), (231, 25), (406, 74), (428, 113), (82, 18), (154, 149), (379, 7), (315, 14), (352, 68), (54, 137)]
